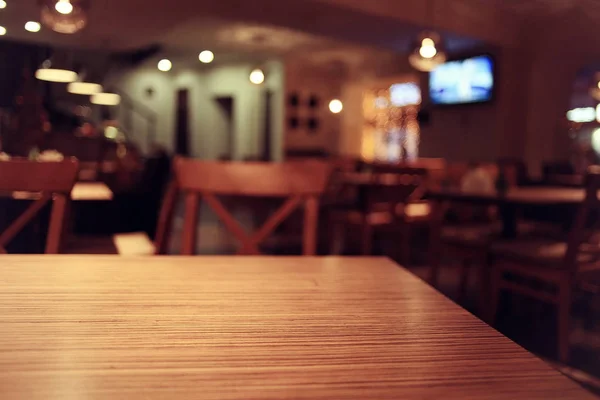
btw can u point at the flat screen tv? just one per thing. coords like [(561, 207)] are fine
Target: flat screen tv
[(464, 81)]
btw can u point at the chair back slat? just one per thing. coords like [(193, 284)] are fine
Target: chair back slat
[(253, 178), (400, 188), (33, 176), (50, 181), (301, 183)]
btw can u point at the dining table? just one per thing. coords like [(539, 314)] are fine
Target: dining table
[(86, 199), (82, 191), (509, 202), (521, 195), (218, 327)]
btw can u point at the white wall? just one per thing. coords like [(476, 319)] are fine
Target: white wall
[(305, 81), (207, 122)]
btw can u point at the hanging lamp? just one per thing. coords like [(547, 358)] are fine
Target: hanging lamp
[(56, 69), (65, 16), (428, 51), (105, 99), (84, 85)]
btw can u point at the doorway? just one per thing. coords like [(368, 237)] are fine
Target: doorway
[(226, 125), (182, 139)]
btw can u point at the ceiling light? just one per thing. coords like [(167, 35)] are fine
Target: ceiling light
[(56, 75), (165, 65), (580, 115), (85, 88), (105, 99), (53, 71), (257, 76), (428, 53), (65, 16), (64, 7), (33, 26), (206, 57), (427, 49), (2, 4), (336, 106), (2, 31)]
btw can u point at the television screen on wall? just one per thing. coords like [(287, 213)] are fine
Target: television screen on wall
[(465, 81)]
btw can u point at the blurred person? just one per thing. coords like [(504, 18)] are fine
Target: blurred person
[(477, 180)]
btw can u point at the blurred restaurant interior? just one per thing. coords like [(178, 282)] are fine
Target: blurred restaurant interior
[(148, 148)]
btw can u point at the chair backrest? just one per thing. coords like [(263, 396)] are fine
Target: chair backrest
[(404, 186), (583, 236), (47, 182), (301, 183)]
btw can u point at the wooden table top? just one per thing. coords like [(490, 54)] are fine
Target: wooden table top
[(542, 195), (82, 191), (102, 327), (88, 191)]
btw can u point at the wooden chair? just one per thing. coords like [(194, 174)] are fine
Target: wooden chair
[(133, 214), (48, 182), (389, 200), (559, 264), (300, 183), (466, 241)]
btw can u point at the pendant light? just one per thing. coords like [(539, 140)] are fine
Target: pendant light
[(65, 16), (257, 76), (84, 86), (55, 69), (105, 99), (428, 51)]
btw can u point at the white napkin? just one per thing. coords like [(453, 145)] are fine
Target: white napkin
[(50, 156)]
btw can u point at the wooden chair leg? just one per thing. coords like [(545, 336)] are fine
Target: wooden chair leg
[(311, 216), (465, 271), (57, 221), (564, 319), (190, 224), (366, 238)]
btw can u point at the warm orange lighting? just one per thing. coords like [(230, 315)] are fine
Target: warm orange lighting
[(206, 57), (336, 106), (32, 26), (56, 75), (64, 7), (257, 76), (427, 49), (105, 99), (85, 88), (165, 65)]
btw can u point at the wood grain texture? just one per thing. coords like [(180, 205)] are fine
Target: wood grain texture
[(102, 327)]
